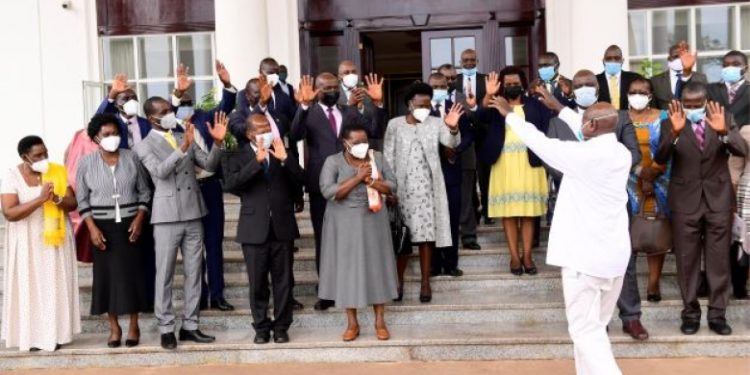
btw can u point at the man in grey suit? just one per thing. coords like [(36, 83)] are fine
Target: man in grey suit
[(668, 85), (561, 127), (178, 206)]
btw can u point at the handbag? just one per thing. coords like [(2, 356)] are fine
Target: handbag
[(650, 234), (400, 233)]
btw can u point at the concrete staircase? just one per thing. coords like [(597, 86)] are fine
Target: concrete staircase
[(487, 314)]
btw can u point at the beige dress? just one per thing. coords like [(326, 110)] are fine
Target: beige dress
[(40, 283)]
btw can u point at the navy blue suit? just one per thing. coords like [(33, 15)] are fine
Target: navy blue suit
[(111, 108), (445, 259), (283, 103), (213, 195)]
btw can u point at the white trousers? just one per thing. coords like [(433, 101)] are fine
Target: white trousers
[(589, 304)]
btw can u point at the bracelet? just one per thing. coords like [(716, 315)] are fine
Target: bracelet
[(57, 200)]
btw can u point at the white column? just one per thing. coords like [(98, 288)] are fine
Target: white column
[(283, 35), (580, 30)]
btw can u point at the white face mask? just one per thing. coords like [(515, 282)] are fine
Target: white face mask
[(40, 166), (272, 79), (266, 138), (675, 65), (168, 121), (638, 101), (111, 143), (351, 80), (359, 150), (130, 107), (421, 114)]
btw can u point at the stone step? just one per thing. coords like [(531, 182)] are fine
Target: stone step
[(442, 342)]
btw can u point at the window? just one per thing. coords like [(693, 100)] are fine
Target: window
[(150, 62), (712, 30)]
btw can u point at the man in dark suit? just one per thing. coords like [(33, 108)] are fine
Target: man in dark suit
[(265, 179), (122, 102), (562, 127), (470, 88), (209, 182), (613, 81), (701, 199), (554, 82), (286, 87), (445, 259), (319, 121), (281, 101), (468, 161), (733, 93), (353, 93), (668, 85)]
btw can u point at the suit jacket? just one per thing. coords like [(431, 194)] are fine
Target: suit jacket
[(469, 158), (177, 196), (266, 199), (312, 125), (201, 117), (740, 107), (697, 174), (370, 111), (625, 79), (238, 118), (663, 87), (283, 103), (625, 133), (452, 170), (110, 108), (535, 112)]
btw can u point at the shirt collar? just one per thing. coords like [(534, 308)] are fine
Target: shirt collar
[(735, 85), (325, 108)]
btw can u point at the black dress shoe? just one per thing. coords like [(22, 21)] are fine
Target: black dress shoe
[(168, 341), (400, 294), (262, 338), (324, 304), (280, 337), (472, 246), (530, 270), (456, 272), (296, 249), (434, 273), (653, 297), (132, 343), (196, 336), (34, 349), (489, 221), (221, 304), (690, 327), (114, 344), (720, 327), (297, 305)]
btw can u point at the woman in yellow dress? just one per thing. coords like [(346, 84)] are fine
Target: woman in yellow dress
[(518, 183)]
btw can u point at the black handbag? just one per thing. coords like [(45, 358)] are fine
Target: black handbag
[(400, 233), (650, 234)]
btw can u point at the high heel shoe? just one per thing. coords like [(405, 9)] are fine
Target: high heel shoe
[(530, 270), (653, 297), (424, 297), (400, 294), (516, 271), (351, 334), (382, 333), (114, 344)]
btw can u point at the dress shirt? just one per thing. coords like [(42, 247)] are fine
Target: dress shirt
[(336, 114), (673, 79), (589, 233), (473, 85), (442, 107)]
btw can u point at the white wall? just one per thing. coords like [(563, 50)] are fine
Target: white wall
[(48, 52), (580, 30)]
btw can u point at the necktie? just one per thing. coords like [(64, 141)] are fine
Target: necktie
[(732, 91), (469, 89), (135, 130), (437, 109), (332, 122), (265, 167), (700, 134), (678, 86), (170, 139), (614, 92)]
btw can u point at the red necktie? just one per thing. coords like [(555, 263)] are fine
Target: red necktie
[(332, 122)]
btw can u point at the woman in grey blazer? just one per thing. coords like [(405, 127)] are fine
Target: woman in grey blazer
[(411, 149)]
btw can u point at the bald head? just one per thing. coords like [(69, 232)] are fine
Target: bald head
[(257, 123), (600, 118)]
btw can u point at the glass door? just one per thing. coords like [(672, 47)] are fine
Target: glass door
[(445, 47)]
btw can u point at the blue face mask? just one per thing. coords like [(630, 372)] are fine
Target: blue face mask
[(438, 95), (585, 96), (184, 112), (731, 74), (469, 72), (613, 68), (547, 73), (695, 115)]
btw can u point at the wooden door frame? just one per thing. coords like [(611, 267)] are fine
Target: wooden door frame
[(451, 33)]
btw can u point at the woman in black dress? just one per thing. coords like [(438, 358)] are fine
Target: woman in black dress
[(113, 194)]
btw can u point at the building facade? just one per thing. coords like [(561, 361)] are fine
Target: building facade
[(61, 54)]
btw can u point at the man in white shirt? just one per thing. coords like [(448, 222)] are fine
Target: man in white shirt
[(589, 237), (680, 64)]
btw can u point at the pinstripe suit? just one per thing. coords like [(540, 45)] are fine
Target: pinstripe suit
[(176, 212)]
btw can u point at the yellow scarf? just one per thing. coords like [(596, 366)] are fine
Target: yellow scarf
[(54, 217)]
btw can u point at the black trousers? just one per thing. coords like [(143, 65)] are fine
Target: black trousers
[(274, 257), (739, 272), (483, 177), (446, 258)]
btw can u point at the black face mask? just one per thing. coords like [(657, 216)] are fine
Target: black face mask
[(513, 92), (330, 99)]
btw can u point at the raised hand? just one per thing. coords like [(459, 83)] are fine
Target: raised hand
[(374, 88), (676, 117), (223, 73), (688, 59), (260, 155), (278, 151), (715, 118), (306, 94), (219, 130), (119, 85), (357, 97), (492, 84), (452, 117), (546, 97), (501, 105), (266, 90), (183, 81), (566, 86), (189, 137)]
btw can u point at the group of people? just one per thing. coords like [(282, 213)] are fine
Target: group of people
[(472, 146)]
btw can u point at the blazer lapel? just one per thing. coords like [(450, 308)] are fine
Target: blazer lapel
[(710, 142), (688, 130)]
